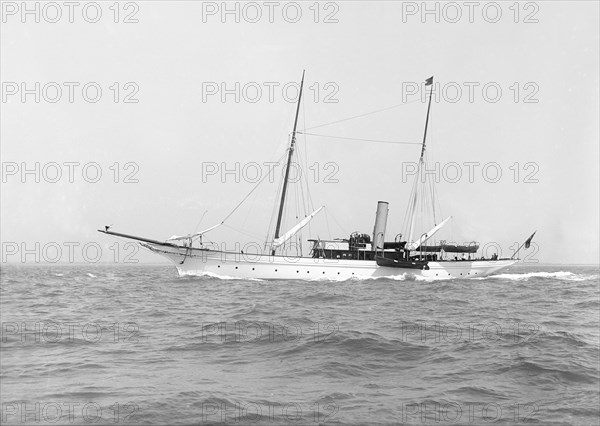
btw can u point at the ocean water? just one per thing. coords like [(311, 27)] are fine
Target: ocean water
[(129, 344)]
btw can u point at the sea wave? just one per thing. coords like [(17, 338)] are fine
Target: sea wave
[(351, 352), (560, 275), (207, 274)]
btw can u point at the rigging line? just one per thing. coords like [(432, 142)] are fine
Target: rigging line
[(305, 180), (200, 221), (309, 202), (274, 210), (303, 197), (327, 223), (439, 204), (297, 212), (362, 115), (241, 231), (301, 181), (359, 139), (412, 204), (248, 195), (336, 221), (299, 208), (305, 192), (284, 215), (432, 186), (250, 208), (307, 206), (306, 197), (407, 212), (437, 209)]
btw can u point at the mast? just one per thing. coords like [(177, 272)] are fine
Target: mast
[(428, 82), (287, 167)]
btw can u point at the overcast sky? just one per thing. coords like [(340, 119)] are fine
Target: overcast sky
[(517, 92)]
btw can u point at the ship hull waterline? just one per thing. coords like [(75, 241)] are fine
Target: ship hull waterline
[(201, 262)]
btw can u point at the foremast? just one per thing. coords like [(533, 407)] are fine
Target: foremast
[(287, 167)]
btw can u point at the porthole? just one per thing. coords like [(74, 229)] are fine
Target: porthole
[(236, 267), (218, 266), (323, 271), (275, 270), (253, 269)]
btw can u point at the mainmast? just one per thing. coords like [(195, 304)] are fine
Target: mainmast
[(287, 167), (428, 82)]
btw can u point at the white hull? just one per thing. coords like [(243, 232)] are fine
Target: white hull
[(198, 262)]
